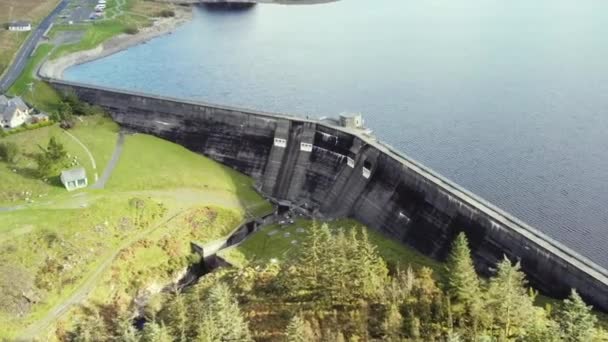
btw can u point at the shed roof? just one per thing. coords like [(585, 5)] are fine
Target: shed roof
[(19, 23), (73, 174)]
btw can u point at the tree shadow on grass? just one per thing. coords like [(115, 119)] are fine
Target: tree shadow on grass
[(32, 173)]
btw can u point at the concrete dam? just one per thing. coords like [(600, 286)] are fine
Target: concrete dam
[(341, 172)]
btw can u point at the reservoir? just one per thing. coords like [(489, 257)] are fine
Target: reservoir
[(506, 98)]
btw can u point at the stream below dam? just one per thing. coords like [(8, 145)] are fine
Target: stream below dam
[(208, 262), (506, 98)]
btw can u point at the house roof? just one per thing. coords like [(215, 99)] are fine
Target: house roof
[(8, 107), (19, 23), (73, 174), (19, 103)]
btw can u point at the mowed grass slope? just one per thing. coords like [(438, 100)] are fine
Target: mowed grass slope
[(149, 162), (279, 242), (98, 133)]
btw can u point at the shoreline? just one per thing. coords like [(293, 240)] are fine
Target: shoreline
[(276, 2), (161, 26)]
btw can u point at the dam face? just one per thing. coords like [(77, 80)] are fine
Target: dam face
[(336, 172)]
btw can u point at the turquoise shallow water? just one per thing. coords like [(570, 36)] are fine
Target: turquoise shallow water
[(507, 98)]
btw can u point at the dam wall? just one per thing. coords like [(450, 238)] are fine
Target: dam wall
[(338, 172)]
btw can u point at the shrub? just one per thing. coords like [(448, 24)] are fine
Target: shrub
[(9, 151), (131, 30), (166, 13)]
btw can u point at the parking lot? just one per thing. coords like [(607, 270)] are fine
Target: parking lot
[(78, 11)]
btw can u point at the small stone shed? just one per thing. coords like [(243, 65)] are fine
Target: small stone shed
[(74, 179)]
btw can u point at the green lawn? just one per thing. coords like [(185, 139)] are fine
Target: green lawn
[(276, 242), (95, 34), (60, 246), (42, 96), (96, 132), (67, 236), (148, 162), (98, 32)]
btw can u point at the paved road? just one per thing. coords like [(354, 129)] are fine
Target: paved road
[(15, 69), (101, 182)]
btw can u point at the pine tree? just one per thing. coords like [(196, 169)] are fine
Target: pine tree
[(223, 320), (576, 320), (55, 151), (509, 300), (307, 265), (90, 328), (335, 278), (207, 330), (393, 322), (154, 332), (299, 330), (463, 283), (176, 318), (541, 328), (427, 303), (126, 332), (372, 267)]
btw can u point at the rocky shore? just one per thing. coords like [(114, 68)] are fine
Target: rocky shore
[(55, 68)]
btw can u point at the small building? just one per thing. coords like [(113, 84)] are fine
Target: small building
[(74, 179), (13, 112), (20, 26), (38, 118), (351, 120)]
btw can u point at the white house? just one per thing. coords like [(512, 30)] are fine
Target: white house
[(20, 26), (13, 112), (74, 179)]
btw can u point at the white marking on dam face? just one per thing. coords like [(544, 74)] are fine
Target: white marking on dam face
[(306, 147), (366, 172), (326, 136), (404, 217), (278, 142), (350, 162), (163, 123)]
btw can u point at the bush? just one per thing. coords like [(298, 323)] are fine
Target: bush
[(166, 13), (24, 128), (131, 30), (9, 151)]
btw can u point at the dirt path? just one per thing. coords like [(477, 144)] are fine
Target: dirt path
[(101, 182), (86, 150), (81, 293)]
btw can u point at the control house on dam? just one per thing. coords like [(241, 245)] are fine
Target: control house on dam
[(337, 169)]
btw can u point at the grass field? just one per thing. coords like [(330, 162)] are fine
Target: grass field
[(133, 13), (132, 235), (42, 96), (31, 10), (141, 167), (100, 134), (277, 242)]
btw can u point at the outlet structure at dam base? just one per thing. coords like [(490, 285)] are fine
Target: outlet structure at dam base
[(336, 171)]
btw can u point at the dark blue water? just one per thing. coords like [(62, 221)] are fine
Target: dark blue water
[(507, 98)]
